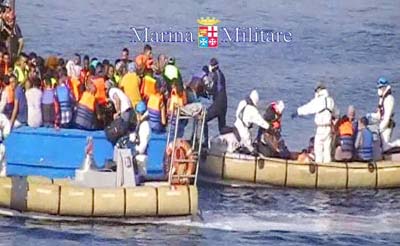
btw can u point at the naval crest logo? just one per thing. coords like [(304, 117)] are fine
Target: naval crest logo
[(208, 32)]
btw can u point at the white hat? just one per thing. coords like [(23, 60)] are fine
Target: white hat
[(254, 97), (280, 106)]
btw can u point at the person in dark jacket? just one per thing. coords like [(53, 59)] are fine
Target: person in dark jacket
[(219, 105)]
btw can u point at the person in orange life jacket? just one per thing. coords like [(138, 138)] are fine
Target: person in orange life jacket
[(146, 59), (157, 111), (84, 117), (101, 95), (7, 96), (269, 142), (219, 106), (177, 99), (345, 134), (65, 100), (364, 142), (48, 104), (345, 148), (384, 115)]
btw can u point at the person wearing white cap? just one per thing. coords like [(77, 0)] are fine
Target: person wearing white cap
[(323, 106), (385, 113)]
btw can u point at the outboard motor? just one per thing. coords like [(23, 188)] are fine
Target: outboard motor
[(88, 162)]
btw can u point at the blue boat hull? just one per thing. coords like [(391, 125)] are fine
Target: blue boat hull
[(58, 153)]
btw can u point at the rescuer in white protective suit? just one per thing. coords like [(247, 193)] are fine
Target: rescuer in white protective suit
[(323, 106), (384, 114), (5, 129), (246, 115)]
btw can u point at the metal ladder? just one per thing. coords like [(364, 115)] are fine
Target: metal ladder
[(196, 143)]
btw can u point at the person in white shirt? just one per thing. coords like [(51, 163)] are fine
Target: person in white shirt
[(323, 106), (34, 102), (121, 102), (5, 129)]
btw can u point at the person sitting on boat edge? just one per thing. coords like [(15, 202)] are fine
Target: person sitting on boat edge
[(157, 111), (384, 114), (141, 137), (269, 143), (323, 106), (34, 101), (364, 141), (345, 134)]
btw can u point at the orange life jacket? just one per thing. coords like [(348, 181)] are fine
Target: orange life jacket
[(183, 151), (75, 83), (175, 101), (101, 94), (346, 128), (148, 86), (142, 60), (10, 94), (88, 100), (84, 75)]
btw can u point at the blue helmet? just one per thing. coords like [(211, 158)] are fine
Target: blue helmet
[(382, 82), (141, 107)]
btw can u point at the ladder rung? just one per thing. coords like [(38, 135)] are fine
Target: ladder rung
[(183, 161), (184, 176)]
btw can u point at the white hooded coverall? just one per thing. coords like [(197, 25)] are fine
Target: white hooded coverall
[(244, 120), (246, 115), (323, 106), (386, 100)]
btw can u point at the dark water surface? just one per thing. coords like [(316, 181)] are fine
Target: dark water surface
[(348, 44)]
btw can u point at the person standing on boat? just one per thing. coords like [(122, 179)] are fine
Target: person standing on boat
[(34, 102), (65, 100), (12, 34), (19, 116), (219, 106), (384, 114), (141, 137), (323, 106), (5, 128)]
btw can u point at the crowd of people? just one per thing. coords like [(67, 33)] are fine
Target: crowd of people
[(140, 94), (341, 138)]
